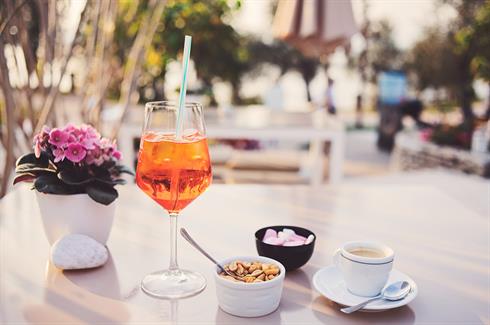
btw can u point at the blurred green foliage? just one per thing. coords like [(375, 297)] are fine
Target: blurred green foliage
[(383, 53), (458, 136), (476, 37), (451, 57), (218, 51), (285, 57), (434, 61)]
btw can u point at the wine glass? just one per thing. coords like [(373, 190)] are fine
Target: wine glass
[(173, 169)]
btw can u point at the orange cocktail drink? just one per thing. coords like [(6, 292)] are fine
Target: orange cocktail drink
[(173, 172)]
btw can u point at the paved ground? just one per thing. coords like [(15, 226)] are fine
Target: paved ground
[(362, 157)]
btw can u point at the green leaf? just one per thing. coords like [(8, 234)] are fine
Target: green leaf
[(25, 177), (110, 181), (102, 193), (50, 183), (123, 169), (32, 168), (30, 158), (72, 178), (118, 181)]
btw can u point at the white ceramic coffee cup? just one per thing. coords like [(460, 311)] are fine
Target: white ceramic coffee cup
[(364, 276)]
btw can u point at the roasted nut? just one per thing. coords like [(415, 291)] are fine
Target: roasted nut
[(232, 267), (240, 269), (256, 273), (249, 279), (253, 267), (229, 278), (246, 264), (249, 272)]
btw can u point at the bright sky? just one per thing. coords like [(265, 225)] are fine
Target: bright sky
[(408, 17)]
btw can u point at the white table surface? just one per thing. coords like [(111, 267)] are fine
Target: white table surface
[(441, 239)]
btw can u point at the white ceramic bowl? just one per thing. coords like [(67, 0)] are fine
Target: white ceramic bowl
[(249, 299)]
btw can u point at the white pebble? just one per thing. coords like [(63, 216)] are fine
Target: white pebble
[(78, 251), (309, 239)]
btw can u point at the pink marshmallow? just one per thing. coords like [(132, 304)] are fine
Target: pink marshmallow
[(297, 237), (270, 233), (294, 243), (273, 241)]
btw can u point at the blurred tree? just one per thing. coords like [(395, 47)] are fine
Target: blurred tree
[(144, 38), (285, 57), (362, 63), (466, 53), (218, 51), (278, 53), (380, 51), (37, 46), (33, 60), (383, 53), (447, 58), (475, 37), (434, 61)]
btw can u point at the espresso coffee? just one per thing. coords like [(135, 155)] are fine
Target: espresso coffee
[(367, 252), (365, 266)]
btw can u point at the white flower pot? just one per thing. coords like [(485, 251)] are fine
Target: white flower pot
[(75, 214)]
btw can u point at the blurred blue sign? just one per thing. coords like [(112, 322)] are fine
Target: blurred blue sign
[(392, 87)]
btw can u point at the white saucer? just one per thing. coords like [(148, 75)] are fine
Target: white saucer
[(329, 282)]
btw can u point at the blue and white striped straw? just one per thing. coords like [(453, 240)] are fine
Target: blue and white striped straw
[(183, 87)]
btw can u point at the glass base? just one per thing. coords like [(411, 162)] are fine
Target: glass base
[(173, 284)]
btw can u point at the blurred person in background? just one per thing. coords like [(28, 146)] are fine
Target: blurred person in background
[(331, 108)]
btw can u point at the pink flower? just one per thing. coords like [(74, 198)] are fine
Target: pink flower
[(75, 152), (426, 134), (58, 137), (37, 145), (89, 131), (117, 154), (94, 157), (37, 148), (69, 128), (59, 154), (105, 143), (89, 143), (45, 130), (41, 141)]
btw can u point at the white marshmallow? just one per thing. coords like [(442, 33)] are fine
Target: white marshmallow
[(309, 239), (284, 235)]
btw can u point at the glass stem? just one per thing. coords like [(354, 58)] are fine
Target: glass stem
[(173, 242)]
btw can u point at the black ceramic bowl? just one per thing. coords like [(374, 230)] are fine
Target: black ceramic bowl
[(292, 257)]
